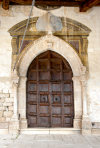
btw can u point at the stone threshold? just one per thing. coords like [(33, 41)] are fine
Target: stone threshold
[(45, 130)]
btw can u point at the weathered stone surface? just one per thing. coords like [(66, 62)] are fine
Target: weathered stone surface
[(9, 99), (1, 113), (5, 91), (7, 104), (8, 119), (4, 95), (49, 22), (2, 108), (1, 104), (11, 108), (11, 95), (2, 100), (8, 113), (2, 119), (4, 125)]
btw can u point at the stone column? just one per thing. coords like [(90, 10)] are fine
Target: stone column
[(86, 123), (15, 85), (77, 102), (22, 101), (14, 123)]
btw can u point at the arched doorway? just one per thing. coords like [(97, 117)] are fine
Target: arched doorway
[(50, 92)]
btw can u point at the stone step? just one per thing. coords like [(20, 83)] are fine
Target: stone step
[(50, 131)]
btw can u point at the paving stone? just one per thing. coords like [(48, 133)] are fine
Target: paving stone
[(79, 140), (45, 137), (48, 141), (92, 140), (67, 139)]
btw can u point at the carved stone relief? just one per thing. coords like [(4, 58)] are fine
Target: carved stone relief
[(72, 32)]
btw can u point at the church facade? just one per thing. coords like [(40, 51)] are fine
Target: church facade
[(52, 84)]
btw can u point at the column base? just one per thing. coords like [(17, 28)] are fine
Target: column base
[(86, 126), (23, 123), (77, 123), (14, 125)]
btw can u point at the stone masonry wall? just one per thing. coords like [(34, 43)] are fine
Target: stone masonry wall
[(6, 106)]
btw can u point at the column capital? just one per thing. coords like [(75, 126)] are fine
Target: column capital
[(83, 80), (15, 78), (76, 79)]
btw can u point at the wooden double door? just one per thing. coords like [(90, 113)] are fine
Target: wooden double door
[(50, 92)]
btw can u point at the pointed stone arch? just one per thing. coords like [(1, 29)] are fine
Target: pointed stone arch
[(50, 42), (55, 44)]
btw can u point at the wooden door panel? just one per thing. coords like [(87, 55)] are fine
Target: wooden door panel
[(32, 87), (44, 99), (57, 110), (43, 87), (32, 75), (50, 92), (56, 87), (67, 75), (44, 109), (56, 121), (66, 87), (32, 97), (32, 108), (67, 110), (55, 75), (67, 99), (56, 99), (44, 121), (43, 75)]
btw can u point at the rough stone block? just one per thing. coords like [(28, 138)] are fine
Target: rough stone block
[(4, 132), (11, 91), (11, 95), (4, 125), (7, 104), (2, 100), (8, 119), (4, 95), (11, 108), (5, 90), (14, 127), (9, 99), (2, 108), (1, 113), (8, 113), (1, 104), (2, 119)]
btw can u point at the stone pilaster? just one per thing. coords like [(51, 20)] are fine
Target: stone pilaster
[(86, 123), (14, 123), (77, 106)]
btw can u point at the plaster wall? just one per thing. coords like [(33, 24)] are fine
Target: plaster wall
[(91, 19)]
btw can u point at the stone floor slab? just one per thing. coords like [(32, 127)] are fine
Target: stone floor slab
[(49, 141), (92, 140)]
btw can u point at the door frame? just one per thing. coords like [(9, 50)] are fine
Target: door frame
[(50, 42)]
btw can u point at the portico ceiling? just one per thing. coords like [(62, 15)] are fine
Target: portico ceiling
[(84, 5)]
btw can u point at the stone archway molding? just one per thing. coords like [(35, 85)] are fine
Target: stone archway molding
[(50, 42)]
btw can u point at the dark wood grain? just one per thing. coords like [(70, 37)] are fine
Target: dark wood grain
[(50, 92)]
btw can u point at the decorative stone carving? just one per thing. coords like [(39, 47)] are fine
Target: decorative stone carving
[(49, 22), (49, 44)]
